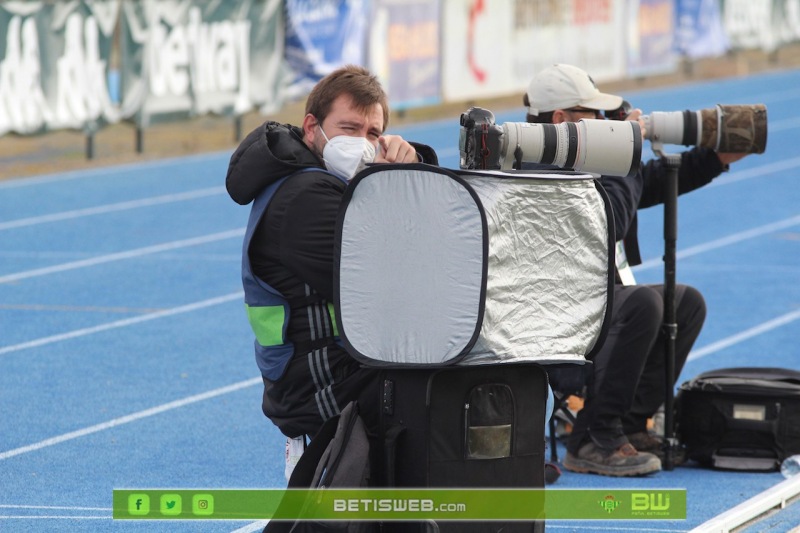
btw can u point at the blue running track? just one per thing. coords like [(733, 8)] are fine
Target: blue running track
[(126, 358)]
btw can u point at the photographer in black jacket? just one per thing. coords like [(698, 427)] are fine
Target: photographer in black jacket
[(295, 177), (611, 436)]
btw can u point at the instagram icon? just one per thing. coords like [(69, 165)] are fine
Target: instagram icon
[(203, 504)]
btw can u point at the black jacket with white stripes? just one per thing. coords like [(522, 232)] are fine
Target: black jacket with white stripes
[(292, 250)]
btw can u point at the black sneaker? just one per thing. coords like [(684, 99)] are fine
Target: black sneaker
[(623, 461)]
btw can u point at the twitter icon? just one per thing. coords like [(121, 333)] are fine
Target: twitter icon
[(170, 504)]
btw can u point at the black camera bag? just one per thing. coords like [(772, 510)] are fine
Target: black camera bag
[(740, 418), (464, 427)]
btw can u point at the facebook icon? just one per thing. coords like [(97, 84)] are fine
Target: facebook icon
[(138, 504)]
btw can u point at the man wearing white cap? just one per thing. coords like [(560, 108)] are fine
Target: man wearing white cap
[(610, 436), (564, 87)]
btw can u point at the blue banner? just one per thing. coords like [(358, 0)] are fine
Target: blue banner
[(699, 31), (650, 48), (404, 50), (322, 35)]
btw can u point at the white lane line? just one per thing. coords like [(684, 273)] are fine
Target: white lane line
[(251, 528), (138, 252), (609, 528), (755, 172), (180, 161), (784, 124), (772, 500), (122, 323), (724, 241), (53, 507), (111, 208), (744, 335), (130, 418), (53, 517)]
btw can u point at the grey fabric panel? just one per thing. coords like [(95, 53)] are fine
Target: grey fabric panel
[(411, 267), (547, 285)]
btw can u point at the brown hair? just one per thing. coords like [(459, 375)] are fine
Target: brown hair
[(541, 118), (357, 82)]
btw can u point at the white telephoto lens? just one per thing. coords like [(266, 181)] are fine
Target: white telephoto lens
[(611, 147), (596, 146), (672, 127), (527, 138)]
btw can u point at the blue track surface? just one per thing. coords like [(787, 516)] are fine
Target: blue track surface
[(126, 358)]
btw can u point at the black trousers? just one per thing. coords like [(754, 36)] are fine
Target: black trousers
[(628, 384), (317, 386)]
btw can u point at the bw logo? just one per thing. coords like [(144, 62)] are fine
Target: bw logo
[(644, 501)]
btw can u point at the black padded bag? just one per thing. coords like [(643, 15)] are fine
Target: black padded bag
[(337, 457), (740, 418), (464, 427)]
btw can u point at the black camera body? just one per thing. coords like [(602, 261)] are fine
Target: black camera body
[(480, 140), (620, 113)]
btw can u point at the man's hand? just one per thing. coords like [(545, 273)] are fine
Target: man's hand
[(634, 115), (394, 149), (730, 157)]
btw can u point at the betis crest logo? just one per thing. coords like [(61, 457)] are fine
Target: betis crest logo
[(609, 503)]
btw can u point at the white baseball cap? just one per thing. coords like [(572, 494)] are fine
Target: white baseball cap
[(564, 86)]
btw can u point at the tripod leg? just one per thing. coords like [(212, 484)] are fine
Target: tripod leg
[(671, 162)]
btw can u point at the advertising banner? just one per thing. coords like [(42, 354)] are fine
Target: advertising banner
[(764, 24), (494, 51), (404, 50), (54, 62), (748, 24), (189, 57), (787, 21), (322, 35), (761, 24), (699, 32), (651, 29)]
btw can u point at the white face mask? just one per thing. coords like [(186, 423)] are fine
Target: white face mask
[(345, 156)]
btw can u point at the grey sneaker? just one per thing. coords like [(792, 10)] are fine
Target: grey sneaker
[(623, 461)]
